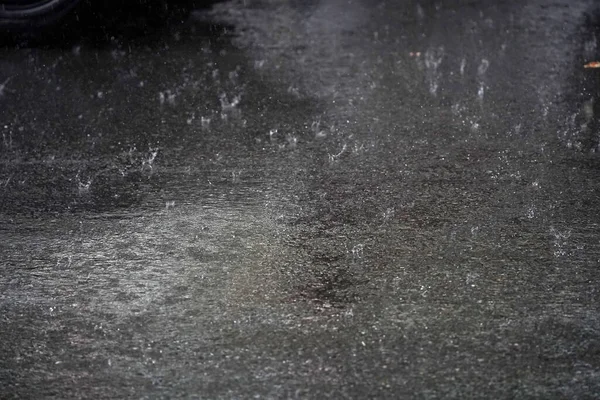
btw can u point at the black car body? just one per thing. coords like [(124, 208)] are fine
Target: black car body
[(17, 15)]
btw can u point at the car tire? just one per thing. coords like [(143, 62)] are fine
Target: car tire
[(32, 14)]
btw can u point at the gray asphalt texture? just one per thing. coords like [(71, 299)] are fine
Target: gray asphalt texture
[(306, 199)]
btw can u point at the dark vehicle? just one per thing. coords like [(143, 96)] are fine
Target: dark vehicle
[(18, 15)]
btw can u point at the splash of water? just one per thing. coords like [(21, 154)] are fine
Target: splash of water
[(167, 96), (433, 60), (149, 162), (82, 187), (334, 157), (272, 134), (481, 92), (358, 250), (292, 141), (483, 67), (420, 12), (235, 176), (560, 241), (481, 70)]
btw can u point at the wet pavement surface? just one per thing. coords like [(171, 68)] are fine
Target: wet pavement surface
[(306, 199)]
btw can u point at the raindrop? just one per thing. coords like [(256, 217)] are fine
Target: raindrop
[(7, 141), (483, 67), (481, 92), (433, 58), (5, 183), (420, 12), (590, 47), (588, 110)]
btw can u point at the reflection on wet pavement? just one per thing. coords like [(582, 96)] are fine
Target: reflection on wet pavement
[(331, 198)]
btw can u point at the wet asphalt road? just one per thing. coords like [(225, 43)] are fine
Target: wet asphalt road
[(306, 199)]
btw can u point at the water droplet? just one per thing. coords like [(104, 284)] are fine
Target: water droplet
[(420, 12), (481, 92), (463, 65)]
